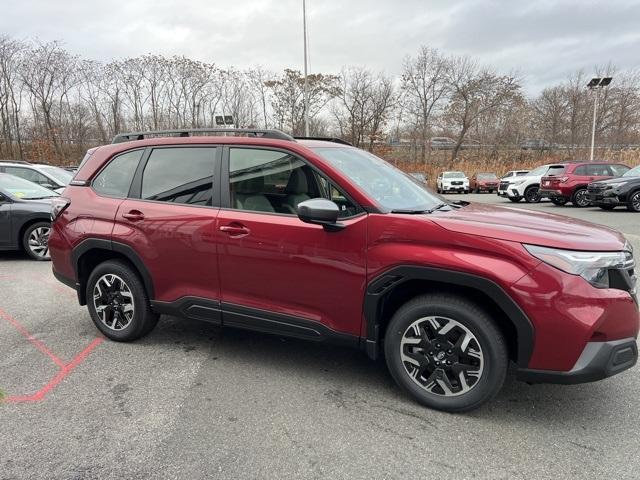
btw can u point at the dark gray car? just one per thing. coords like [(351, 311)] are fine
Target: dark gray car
[(25, 220)]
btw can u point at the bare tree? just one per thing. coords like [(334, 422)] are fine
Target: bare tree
[(11, 53), (424, 86)]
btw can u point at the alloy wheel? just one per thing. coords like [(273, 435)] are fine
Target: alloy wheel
[(635, 202), (581, 198), (39, 242), (532, 195), (442, 356), (113, 301)]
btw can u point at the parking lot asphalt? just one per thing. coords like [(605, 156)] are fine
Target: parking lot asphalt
[(193, 401)]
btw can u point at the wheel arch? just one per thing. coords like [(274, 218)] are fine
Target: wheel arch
[(26, 224), (93, 251), (387, 292)]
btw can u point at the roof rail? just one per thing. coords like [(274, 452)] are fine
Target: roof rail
[(16, 161), (191, 132), (326, 139)]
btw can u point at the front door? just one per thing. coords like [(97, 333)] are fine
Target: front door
[(169, 220), (5, 221), (277, 273)]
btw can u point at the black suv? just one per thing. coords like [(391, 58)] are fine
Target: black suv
[(619, 191)]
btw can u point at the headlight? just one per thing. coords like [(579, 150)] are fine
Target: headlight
[(615, 185), (592, 266)]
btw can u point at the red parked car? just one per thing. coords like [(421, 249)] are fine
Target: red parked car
[(484, 182), (571, 184), (322, 241)]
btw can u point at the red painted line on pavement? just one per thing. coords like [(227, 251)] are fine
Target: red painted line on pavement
[(59, 377), (33, 340)]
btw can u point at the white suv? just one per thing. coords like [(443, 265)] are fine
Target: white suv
[(452, 182), (517, 187), (48, 176)]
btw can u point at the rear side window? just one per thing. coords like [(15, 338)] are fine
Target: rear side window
[(115, 179), (180, 175), (581, 170), (598, 170)]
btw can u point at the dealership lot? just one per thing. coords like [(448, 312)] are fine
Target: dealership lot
[(192, 401)]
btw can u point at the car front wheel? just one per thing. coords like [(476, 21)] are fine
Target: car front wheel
[(446, 352), (532, 195), (580, 198), (118, 303)]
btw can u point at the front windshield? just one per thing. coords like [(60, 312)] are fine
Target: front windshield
[(24, 189), (59, 174), (634, 172), (539, 171), (453, 175), (388, 186)]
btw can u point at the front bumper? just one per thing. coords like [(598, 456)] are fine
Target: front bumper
[(598, 360), (510, 192), (606, 197)]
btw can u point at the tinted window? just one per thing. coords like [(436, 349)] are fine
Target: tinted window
[(581, 170), (180, 175), (116, 177), (555, 170), (31, 175), (598, 170), (618, 170)]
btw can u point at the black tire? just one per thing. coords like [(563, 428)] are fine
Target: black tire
[(468, 315), (580, 198), (490, 191), (633, 205), (532, 194), (35, 241), (515, 199), (559, 201), (607, 207), (143, 318)]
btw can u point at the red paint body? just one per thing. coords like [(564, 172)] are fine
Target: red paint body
[(277, 263)]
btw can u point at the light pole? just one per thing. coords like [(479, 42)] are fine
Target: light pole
[(306, 68), (595, 85)]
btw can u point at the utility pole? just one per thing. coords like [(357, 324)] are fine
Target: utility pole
[(595, 85), (306, 69)]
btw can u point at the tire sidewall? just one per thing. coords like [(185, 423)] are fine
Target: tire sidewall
[(491, 343), (136, 326), (576, 195), (633, 195), (528, 191)]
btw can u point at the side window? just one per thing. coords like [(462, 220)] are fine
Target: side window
[(115, 179), (331, 192), (180, 175), (29, 174), (618, 170), (581, 170), (598, 170)]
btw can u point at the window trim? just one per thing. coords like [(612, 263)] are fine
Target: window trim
[(135, 191), (225, 185), (106, 164)]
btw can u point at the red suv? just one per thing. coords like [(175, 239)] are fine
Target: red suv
[(571, 184), (322, 241)]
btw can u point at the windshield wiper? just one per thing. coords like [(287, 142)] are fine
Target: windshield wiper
[(417, 212)]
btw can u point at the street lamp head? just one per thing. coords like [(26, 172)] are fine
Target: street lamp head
[(605, 81), (594, 82)]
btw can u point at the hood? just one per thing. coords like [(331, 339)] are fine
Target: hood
[(531, 227), (618, 180)]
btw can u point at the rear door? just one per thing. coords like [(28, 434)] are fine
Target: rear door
[(169, 220), (598, 171)]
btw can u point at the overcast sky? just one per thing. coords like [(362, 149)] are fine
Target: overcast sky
[(543, 40)]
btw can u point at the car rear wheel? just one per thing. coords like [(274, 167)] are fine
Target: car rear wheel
[(35, 240), (580, 198), (532, 194), (446, 352), (118, 303), (559, 200), (634, 202)]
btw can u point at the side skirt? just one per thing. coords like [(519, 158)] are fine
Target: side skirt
[(237, 316)]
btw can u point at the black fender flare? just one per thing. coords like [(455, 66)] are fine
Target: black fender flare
[(386, 282), (125, 250)]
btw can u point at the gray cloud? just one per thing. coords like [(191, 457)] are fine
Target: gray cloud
[(543, 40)]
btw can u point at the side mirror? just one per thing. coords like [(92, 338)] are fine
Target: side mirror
[(320, 211)]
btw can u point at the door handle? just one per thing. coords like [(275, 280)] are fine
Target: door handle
[(133, 215), (235, 230)]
